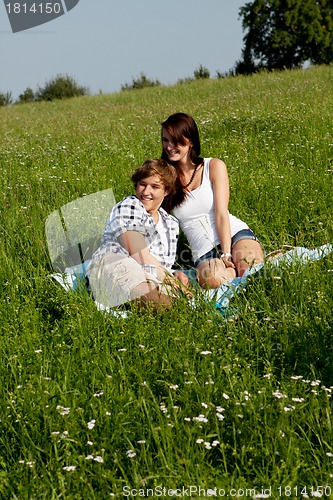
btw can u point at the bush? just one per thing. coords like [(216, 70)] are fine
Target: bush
[(6, 99), (141, 82), (198, 74), (201, 73), (27, 96), (60, 87), (188, 79)]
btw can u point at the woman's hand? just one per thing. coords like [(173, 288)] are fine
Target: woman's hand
[(227, 260), (228, 263)]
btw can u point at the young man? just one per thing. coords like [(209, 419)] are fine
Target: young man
[(139, 242)]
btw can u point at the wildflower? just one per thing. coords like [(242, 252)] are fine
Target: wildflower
[(297, 400), (215, 443), (98, 459), (55, 433), (142, 346), (205, 405), (225, 396), (69, 468), (199, 440), (90, 443), (219, 416), (107, 413), (219, 409), (122, 350), (208, 446), (98, 394), (141, 441), (329, 454), (62, 410), (296, 377), (201, 418), (279, 395), (206, 352), (91, 424), (90, 457), (130, 454), (174, 387), (187, 419), (163, 408), (289, 408), (38, 351)]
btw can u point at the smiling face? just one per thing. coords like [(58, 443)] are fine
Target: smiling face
[(175, 152), (151, 192)]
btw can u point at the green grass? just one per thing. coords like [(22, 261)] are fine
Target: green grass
[(186, 397)]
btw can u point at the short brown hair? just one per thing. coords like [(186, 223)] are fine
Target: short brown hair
[(162, 168)]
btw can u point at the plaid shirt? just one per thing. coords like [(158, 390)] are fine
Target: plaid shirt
[(131, 215)]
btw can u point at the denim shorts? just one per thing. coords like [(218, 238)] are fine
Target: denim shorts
[(215, 253)]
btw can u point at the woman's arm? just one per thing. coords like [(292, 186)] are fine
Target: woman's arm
[(220, 182)]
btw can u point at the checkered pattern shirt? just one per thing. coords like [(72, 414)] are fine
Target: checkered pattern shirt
[(131, 215)]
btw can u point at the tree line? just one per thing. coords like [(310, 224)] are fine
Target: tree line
[(278, 34)]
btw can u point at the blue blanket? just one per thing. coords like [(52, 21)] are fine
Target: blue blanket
[(75, 278)]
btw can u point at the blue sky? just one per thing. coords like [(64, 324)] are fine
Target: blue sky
[(104, 44)]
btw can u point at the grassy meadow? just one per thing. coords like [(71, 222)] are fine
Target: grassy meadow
[(185, 401)]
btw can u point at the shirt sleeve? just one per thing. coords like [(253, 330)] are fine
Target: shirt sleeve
[(129, 215)]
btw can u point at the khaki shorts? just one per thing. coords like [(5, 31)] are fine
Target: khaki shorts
[(115, 279)]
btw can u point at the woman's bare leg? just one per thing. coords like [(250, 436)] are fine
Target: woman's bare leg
[(212, 273), (245, 254)]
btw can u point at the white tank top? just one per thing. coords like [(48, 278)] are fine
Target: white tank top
[(197, 219)]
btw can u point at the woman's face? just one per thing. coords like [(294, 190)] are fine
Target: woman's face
[(151, 192), (175, 152)]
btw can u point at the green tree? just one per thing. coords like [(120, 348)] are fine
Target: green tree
[(286, 33)]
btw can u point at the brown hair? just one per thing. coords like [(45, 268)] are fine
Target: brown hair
[(181, 126), (155, 166)]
